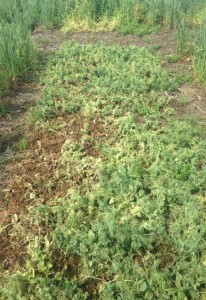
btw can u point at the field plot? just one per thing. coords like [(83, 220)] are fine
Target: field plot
[(103, 179), (120, 213)]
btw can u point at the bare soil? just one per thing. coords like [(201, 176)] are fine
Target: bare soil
[(52, 40)]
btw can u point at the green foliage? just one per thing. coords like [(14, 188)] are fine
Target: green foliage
[(18, 18), (17, 55), (77, 71), (17, 51), (3, 110), (132, 223), (121, 15), (133, 27), (153, 12), (41, 288), (200, 51), (181, 34), (23, 144), (30, 13), (144, 17), (173, 58)]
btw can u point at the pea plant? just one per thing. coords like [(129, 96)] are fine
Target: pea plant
[(131, 224)]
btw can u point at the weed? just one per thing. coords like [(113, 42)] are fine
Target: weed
[(184, 77), (35, 115), (183, 100), (173, 58), (23, 144), (3, 110), (200, 59), (181, 34)]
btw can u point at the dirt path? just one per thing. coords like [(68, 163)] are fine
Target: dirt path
[(53, 39), (19, 168), (13, 127)]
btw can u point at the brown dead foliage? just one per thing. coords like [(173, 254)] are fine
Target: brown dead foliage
[(12, 249), (98, 135), (33, 178), (165, 255), (40, 175)]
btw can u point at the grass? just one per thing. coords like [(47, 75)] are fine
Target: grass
[(18, 54), (200, 59), (131, 224)]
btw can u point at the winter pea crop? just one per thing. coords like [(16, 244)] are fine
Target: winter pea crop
[(131, 224)]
